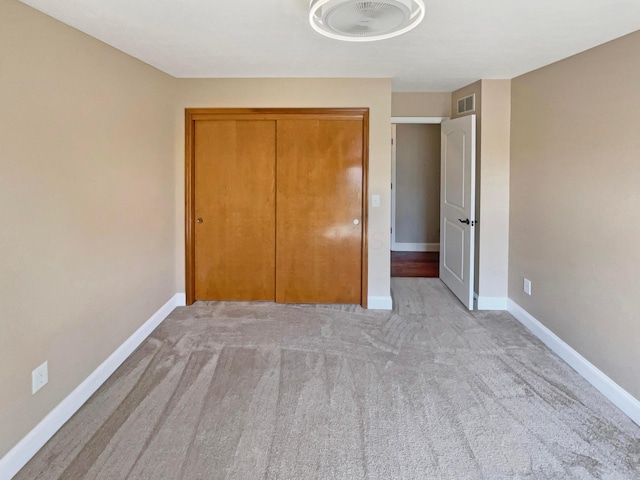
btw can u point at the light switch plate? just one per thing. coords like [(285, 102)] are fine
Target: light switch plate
[(39, 377), (375, 201)]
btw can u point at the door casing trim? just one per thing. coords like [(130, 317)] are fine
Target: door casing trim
[(395, 246)]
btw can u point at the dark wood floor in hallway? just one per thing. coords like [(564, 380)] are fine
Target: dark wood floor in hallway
[(415, 264)]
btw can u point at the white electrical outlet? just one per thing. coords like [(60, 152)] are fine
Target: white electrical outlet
[(39, 377), (527, 286)]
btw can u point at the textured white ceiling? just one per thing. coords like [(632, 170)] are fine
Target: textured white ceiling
[(459, 41)]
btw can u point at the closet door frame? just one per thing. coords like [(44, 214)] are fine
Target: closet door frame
[(192, 115)]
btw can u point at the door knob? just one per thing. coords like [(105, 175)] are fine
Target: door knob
[(199, 220), (464, 221), (356, 222)]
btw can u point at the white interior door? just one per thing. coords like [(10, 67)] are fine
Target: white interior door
[(457, 206)]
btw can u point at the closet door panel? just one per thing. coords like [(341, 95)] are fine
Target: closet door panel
[(319, 211), (235, 163)]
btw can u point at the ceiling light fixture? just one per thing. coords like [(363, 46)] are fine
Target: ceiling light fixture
[(358, 21)]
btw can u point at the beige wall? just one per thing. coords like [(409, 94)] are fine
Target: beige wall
[(417, 185), (421, 104), (290, 93), (575, 192), (87, 238), (493, 226)]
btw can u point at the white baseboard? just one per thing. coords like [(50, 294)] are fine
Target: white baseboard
[(610, 389), (379, 303), (415, 247), (20, 454), (491, 303), (180, 299)]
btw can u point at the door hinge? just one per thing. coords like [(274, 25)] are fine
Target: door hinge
[(392, 141), (391, 229)]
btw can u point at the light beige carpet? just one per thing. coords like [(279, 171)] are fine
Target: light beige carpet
[(265, 391)]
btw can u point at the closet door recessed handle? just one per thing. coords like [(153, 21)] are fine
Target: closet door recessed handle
[(199, 220)]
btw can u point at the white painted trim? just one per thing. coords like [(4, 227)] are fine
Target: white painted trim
[(396, 246), (491, 303), (393, 185), (26, 448), (415, 247), (422, 120), (610, 389), (379, 303), (180, 299)]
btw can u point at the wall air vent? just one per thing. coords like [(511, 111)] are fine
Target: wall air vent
[(467, 104)]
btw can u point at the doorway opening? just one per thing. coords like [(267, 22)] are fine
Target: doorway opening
[(415, 196)]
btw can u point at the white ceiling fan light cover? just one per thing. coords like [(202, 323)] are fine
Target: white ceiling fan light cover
[(365, 21)]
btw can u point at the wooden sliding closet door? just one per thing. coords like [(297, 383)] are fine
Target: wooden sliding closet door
[(319, 211), (234, 229)]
